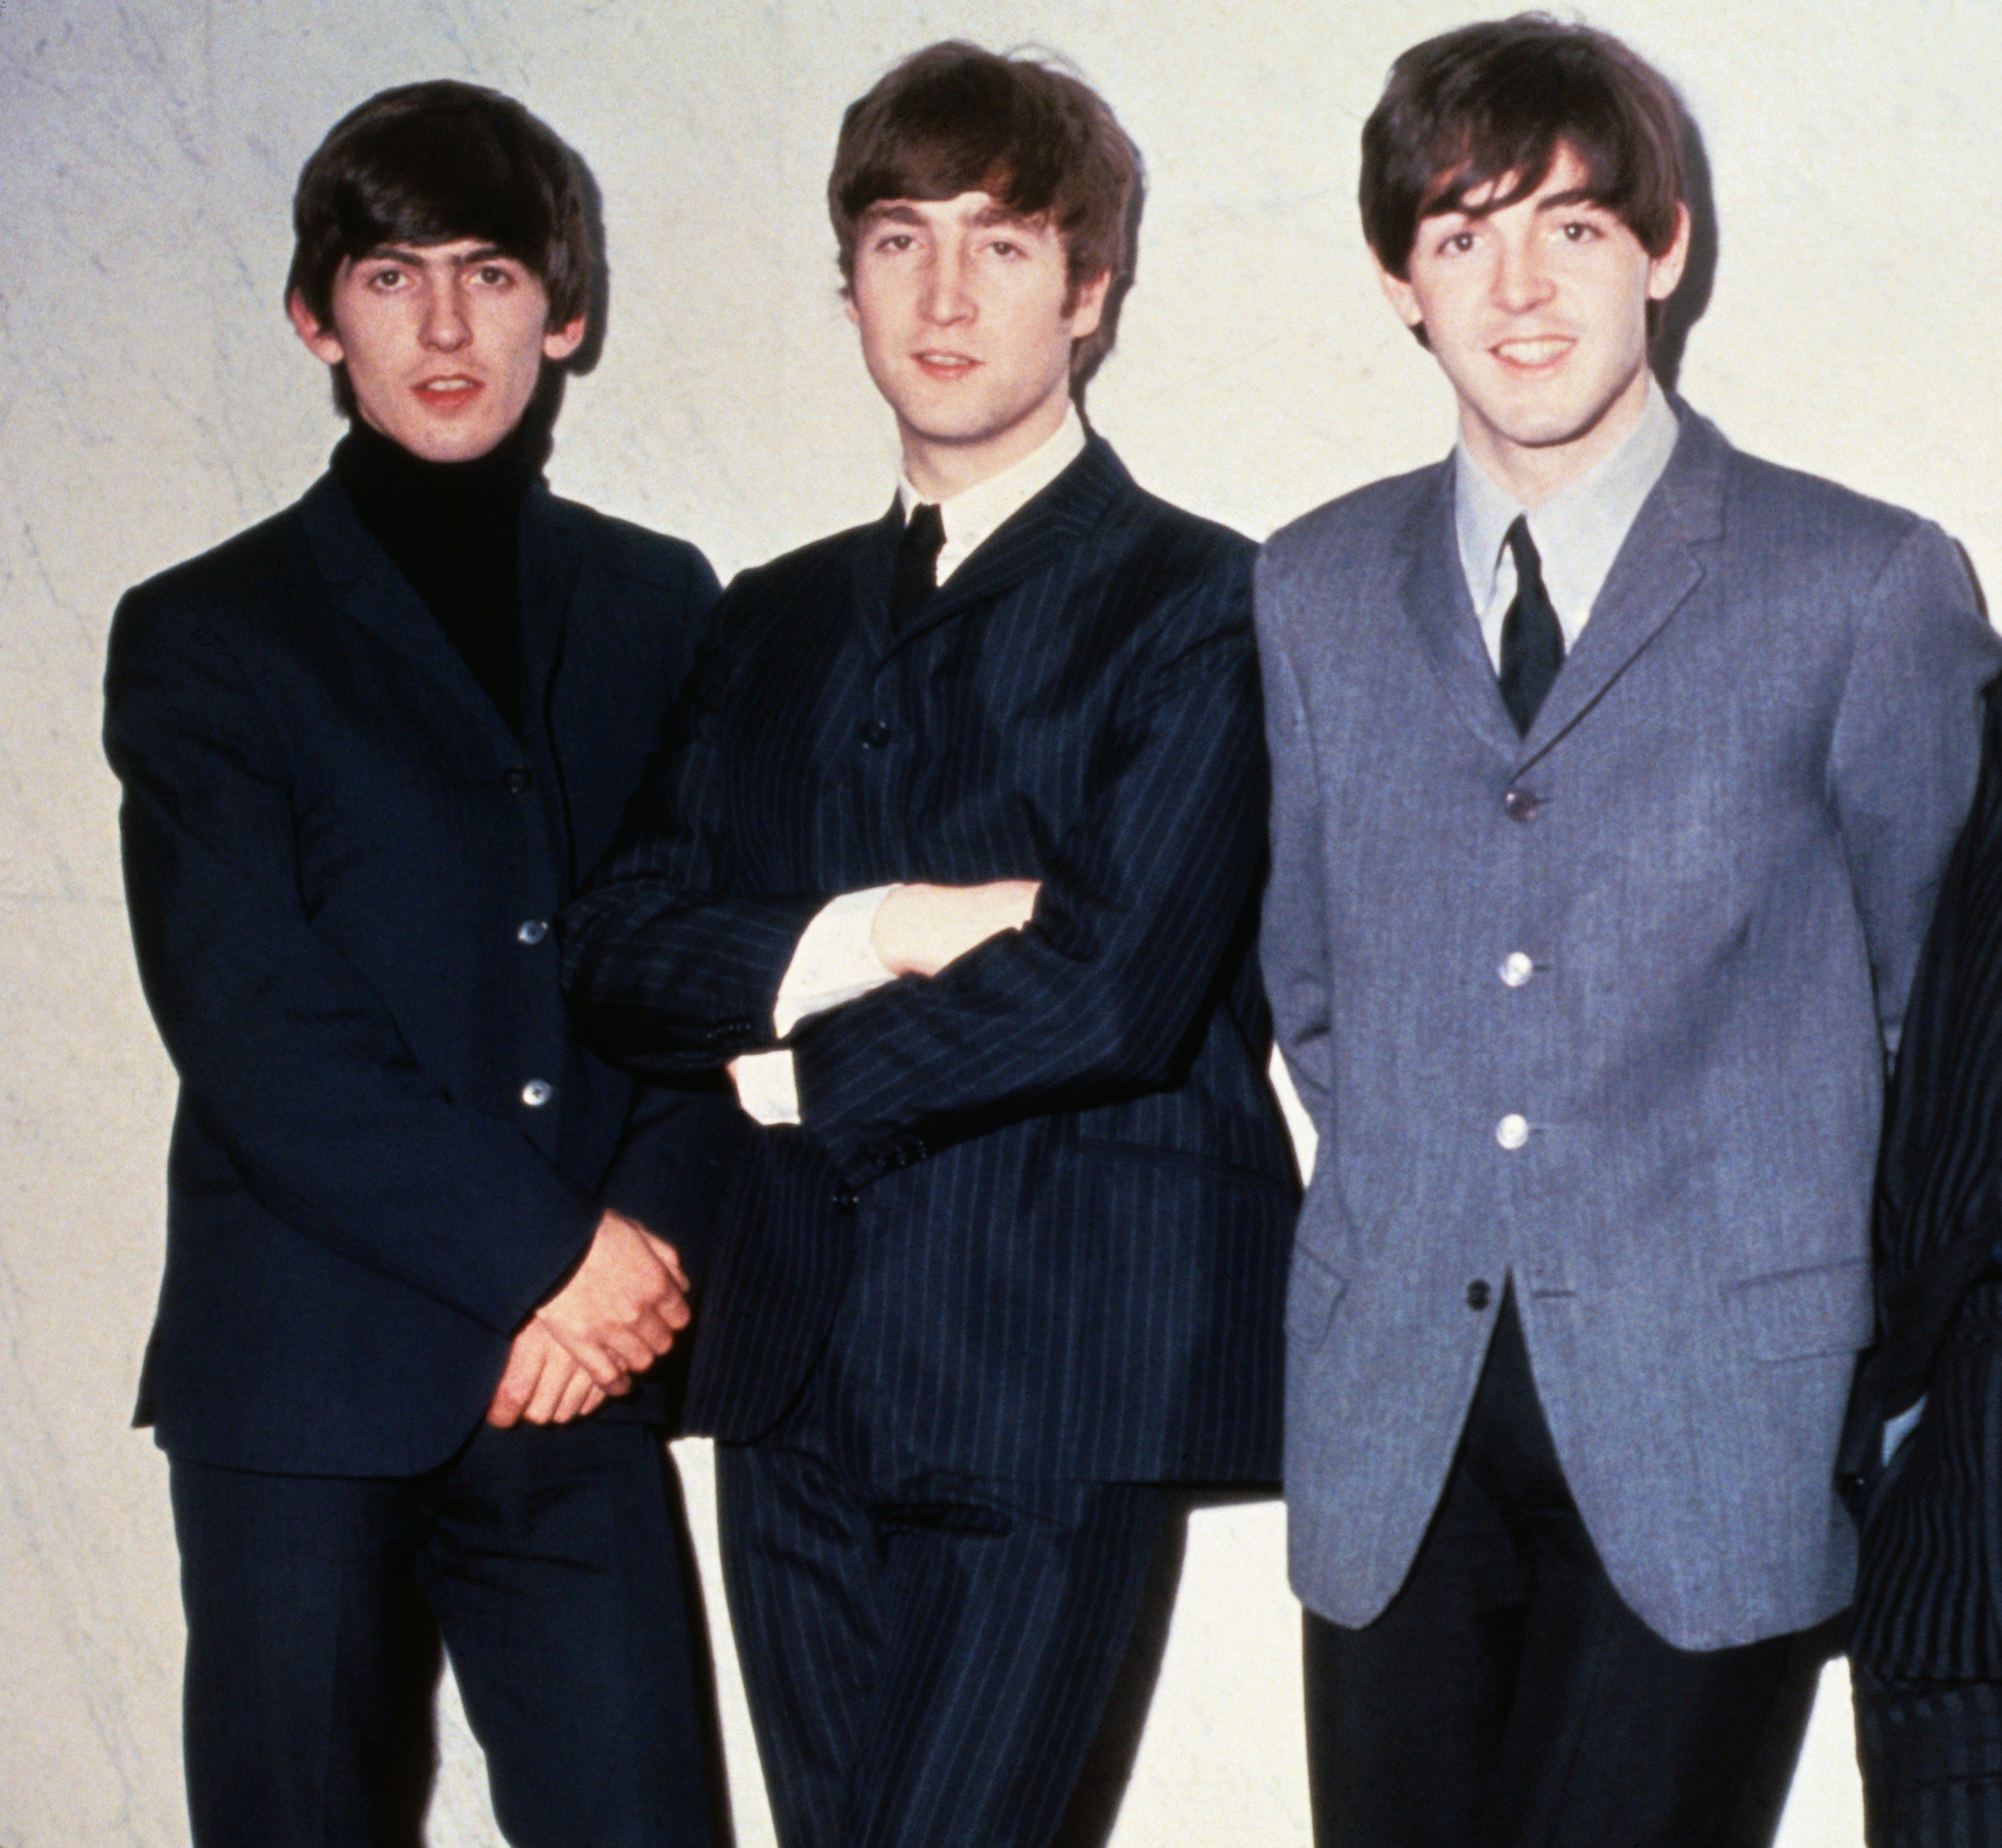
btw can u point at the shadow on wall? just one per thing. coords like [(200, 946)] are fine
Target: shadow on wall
[(1684, 308)]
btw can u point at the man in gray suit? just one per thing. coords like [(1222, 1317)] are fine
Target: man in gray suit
[(1613, 772)]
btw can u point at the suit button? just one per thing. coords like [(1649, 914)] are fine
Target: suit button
[(537, 1092), (1478, 1294), (1520, 805), (875, 733), (1516, 969), (844, 1197), (517, 779), (531, 931), (1512, 1131)]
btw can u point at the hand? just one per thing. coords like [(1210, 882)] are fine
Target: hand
[(543, 1384), (919, 928), (623, 1305)]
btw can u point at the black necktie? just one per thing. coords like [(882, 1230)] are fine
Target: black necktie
[(1532, 643), (916, 574)]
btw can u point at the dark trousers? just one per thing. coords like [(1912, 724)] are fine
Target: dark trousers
[(1932, 1757), (548, 1561), (1507, 1698), (928, 1656)]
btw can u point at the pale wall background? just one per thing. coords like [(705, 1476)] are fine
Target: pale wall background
[(153, 401)]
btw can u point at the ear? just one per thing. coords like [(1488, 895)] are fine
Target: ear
[(1087, 304), (322, 342), (561, 343), (1401, 295), (1664, 271)]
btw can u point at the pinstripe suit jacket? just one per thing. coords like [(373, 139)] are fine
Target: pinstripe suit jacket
[(1049, 1188), (1718, 846), (1929, 1584)]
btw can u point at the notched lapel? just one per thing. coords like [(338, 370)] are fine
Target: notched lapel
[(1657, 569), (1061, 513), (367, 586), (1433, 590)]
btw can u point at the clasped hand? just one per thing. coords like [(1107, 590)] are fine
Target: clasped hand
[(619, 1312)]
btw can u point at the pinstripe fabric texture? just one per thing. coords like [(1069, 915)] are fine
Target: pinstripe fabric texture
[(1927, 1604), (1931, 1757), (1715, 851), (929, 1655), (1056, 1169)]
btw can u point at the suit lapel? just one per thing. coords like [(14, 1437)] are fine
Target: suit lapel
[(1059, 514), (1651, 578), (1432, 588), (366, 588)]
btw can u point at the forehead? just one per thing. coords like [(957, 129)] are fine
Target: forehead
[(966, 211), (1566, 181)]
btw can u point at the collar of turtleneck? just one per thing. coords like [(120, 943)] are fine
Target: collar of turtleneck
[(452, 529)]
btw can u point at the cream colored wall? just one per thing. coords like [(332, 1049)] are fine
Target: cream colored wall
[(153, 401)]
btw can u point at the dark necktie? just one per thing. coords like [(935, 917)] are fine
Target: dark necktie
[(916, 574), (1532, 643)]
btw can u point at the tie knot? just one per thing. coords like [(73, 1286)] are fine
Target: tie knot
[(916, 573), (924, 532)]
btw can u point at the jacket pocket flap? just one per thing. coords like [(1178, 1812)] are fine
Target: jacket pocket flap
[(1792, 1315), (1311, 1297)]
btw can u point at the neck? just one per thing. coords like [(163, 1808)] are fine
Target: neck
[(1533, 473), (940, 468)]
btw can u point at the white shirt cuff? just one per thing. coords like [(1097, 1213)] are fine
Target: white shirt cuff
[(766, 1087), (834, 963)]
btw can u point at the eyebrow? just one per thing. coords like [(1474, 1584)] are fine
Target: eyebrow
[(412, 255), (894, 213)]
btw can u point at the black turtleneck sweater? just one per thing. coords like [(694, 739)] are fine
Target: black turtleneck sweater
[(454, 530)]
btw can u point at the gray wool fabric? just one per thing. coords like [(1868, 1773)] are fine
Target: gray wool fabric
[(1606, 1008)]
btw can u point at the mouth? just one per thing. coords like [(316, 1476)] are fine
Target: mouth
[(1535, 353), (937, 364), (452, 391)]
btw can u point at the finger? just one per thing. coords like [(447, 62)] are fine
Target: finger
[(577, 1390), (635, 1347), (558, 1371), (671, 1258), (603, 1369), (517, 1380), (592, 1400)]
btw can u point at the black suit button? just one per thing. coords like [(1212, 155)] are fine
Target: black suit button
[(517, 779), (875, 733), (844, 1197), (1478, 1294), (1520, 805)]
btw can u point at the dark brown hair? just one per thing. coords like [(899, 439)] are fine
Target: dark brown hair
[(954, 119), (426, 163), (1496, 101)]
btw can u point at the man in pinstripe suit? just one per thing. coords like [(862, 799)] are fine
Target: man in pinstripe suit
[(955, 864)]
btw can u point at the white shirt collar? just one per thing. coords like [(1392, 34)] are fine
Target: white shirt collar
[(1578, 532), (974, 512)]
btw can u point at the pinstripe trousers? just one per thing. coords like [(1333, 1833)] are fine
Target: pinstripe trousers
[(1932, 1757), (928, 1654)]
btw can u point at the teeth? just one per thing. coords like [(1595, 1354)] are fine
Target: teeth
[(1532, 353)]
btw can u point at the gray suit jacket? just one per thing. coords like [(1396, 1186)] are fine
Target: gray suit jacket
[(1717, 847)]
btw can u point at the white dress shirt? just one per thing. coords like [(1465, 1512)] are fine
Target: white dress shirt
[(836, 961), (1578, 532)]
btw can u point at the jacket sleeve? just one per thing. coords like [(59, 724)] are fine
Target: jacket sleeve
[(286, 1054), (1104, 993), (672, 1167), (667, 974), (1905, 748), (1293, 937)]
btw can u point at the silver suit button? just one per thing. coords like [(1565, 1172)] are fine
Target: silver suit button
[(537, 1091), (1516, 969), (532, 932), (1512, 1131)]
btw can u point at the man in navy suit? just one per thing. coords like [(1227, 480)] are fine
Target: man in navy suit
[(416, 1235), (955, 863)]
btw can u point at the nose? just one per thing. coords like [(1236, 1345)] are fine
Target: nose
[(946, 298), (445, 327), (1521, 279)]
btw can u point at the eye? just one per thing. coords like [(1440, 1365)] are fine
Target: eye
[(1580, 230), (1006, 247), (895, 240), (389, 277), (493, 275), (1456, 243)]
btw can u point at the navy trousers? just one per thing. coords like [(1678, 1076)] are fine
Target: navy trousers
[(548, 1559), (928, 1655), (1508, 1698)]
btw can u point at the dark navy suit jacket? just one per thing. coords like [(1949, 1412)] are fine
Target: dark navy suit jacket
[(342, 867), (1044, 1200)]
